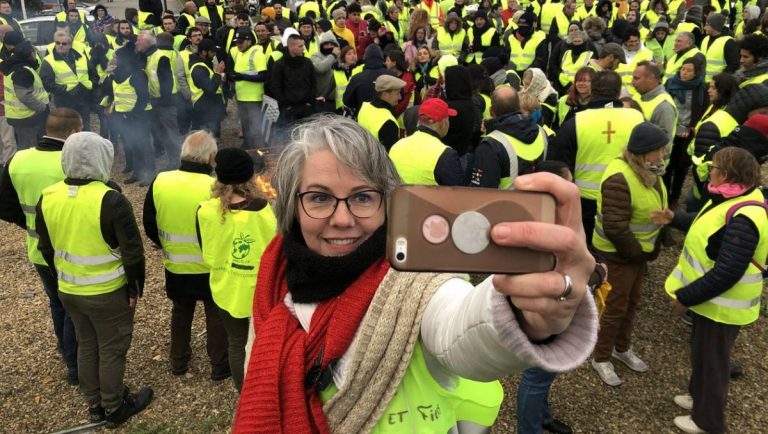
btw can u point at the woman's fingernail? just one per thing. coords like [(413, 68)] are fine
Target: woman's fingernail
[(523, 181), (501, 232)]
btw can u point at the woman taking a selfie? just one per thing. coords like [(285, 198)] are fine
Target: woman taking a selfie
[(335, 349)]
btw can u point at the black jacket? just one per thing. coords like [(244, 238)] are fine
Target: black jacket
[(23, 78), (292, 82), (458, 92), (211, 102), (177, 286), (165, 77), (138, 80), (491, 158), (119, 229), (732, 248), (360, 88)]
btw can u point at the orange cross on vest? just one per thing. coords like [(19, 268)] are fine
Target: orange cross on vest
[(608, 132)]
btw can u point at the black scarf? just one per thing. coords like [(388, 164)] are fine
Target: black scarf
[(313, 278), (677, 87)]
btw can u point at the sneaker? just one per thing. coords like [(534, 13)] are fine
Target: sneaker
[(631, 360), (686, 424), (557, 427), (133, 403), (96, 413), (687, 318), (221, 376), (606, 373), (179, 371), (684, 401)]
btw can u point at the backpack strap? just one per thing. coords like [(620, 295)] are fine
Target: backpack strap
[(729, 215)]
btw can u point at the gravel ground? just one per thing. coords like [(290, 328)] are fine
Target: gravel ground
[(34, 398)]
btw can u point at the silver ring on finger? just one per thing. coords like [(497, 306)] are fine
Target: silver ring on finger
[(568, 288)]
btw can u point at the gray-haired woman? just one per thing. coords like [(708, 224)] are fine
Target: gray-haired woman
[(334, 346)]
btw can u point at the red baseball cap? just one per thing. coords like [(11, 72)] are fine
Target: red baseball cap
[(435, 110)]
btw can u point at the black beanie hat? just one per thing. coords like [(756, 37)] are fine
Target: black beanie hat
[(324, 24), (646, 137), (13, 37), (233, 166)]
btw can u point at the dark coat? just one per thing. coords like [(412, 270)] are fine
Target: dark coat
[(361, 88), (458, 92)]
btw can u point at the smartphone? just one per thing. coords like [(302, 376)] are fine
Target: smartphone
[(448, 229)]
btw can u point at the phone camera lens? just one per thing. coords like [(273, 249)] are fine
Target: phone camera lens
[(400, 256)]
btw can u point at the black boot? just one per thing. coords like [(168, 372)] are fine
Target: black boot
[(96, 413), (557, 427), (132, 404)]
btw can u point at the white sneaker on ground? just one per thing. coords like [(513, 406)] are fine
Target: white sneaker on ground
[(606, 372), (631, 360), (686, 424), (684, 401)]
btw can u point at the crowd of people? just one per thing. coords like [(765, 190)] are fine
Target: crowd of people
[(610, 106)]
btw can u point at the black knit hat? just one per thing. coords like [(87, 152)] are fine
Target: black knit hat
[(13, 37), (233, 166), (646, 137)]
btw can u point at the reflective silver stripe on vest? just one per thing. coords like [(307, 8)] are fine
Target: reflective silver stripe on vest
[(125, 95), (176, 238), (735, 304), (13, 103), (32, 234), (587, 184), (182, 259), (643, 228), (469, 427), (65, 74), (91, 280), (29, 209), (693, 262), (678, 274), (591, 167), (87, 260)]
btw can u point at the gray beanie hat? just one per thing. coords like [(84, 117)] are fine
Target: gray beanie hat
[(646, 137), (716, 21)]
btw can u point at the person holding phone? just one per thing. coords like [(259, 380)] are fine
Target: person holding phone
[(329, 322)]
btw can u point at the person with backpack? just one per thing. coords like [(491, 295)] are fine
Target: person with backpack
[(719, 277)]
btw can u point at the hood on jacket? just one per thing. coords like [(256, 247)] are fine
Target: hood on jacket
[(600, 5), (96, 9), (21, 57), (373, 58), (458, 85), (327, 37), (747, 99), (516, 125), (450, 19), (87, 155), (749, 139)]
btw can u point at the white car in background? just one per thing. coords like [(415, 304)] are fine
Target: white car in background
[(39, 30)]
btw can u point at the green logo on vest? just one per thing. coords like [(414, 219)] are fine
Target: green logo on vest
[(241, 246)]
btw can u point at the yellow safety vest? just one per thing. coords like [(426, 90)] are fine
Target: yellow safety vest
[(373, 118), (582, 13), (548, 13), (125, 96), (643, 200), (518, 150), (184, 54), (422, 405), (487, 111), (415, 157), (196, 92), (399, 33), (601, 134), (232, 246), (523, 57), (203, 11), (760, 79), (648, 107), (562, 109), (341, 81), (451, 44), (250, 62), (143, 17), (740, 304), (309, 6), (485, 41), (31, 171), (434, 13), (569, 68), (151, 69), (724, 122), (715, 52), (626, 70), (675, 62), (85, 263), (189, 18), (62, 16), (562, 24), (686, 27), (64, 74), (14, 108), (177, 194)]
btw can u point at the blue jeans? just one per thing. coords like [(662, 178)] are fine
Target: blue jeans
[(62, 324), (532, 400)]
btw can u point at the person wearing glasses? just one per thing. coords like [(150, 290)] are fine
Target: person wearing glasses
[(233, 229), (68, 78), (343, 343)]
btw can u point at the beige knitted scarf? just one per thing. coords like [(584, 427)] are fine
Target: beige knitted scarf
[(382, 350)]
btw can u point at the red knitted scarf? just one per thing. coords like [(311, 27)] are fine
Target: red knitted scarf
[(274, 398)]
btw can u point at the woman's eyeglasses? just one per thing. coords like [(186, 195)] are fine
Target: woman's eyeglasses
[(319, 205)]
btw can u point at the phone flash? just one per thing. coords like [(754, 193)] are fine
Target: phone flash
[(401, 247)]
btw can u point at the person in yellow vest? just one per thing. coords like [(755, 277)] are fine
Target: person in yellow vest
[(26, 100), (587, 9), (248, 74), (311, 9), (527, 45), (68, 77), (661, 42), (187, 17), (631, 189), (513, 145), (634, 53), (234, 227), (61, 17), (205, 84), (89, 237), (721, 50), (753, 61), (452, 38), (214, 12), (719, 277), (80, 31), (657, 105), (611, 57), (163, 93), (748, 20), (578, 96), (338, 220), (343, 71), (568, 56), (6, 15), (590, 140), (436, 15), (684, 48), (422, 158), (395, 25), (22, 181), (169, 218), (377, 116), (547, 16), (481, 36), (169, 26), (563, 18)]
